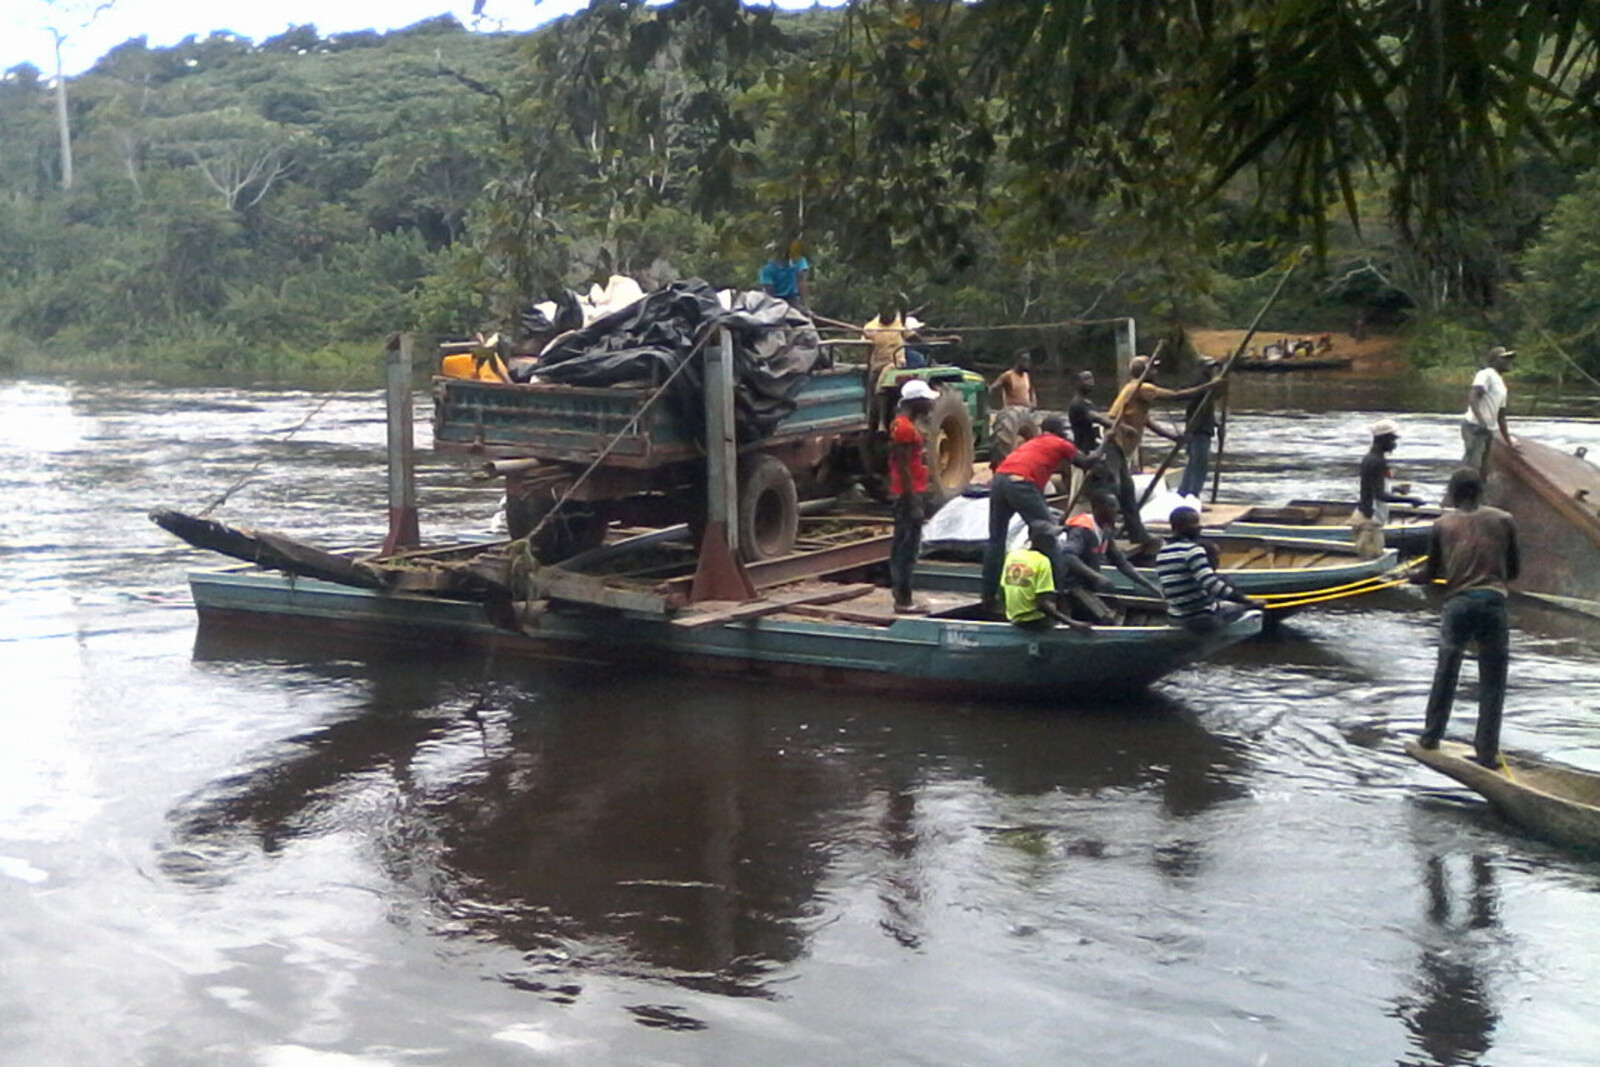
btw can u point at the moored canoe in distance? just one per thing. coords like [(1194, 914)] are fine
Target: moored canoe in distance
[(1554, 802), (936, 656)]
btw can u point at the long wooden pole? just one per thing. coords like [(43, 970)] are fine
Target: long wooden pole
[(1220, 379)]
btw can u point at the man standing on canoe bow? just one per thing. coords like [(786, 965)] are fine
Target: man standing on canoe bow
[(1474, 551), (1372, 508)]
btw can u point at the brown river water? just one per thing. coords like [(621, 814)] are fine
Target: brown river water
[(268, 850)]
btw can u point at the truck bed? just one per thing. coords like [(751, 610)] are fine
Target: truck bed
[(566, 423)]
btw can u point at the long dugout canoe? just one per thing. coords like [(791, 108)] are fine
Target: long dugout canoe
[(1552, 801)]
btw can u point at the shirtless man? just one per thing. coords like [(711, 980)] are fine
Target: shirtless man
[(1015, 386), (1130, 413)]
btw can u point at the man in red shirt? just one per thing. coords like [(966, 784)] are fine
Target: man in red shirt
[(1018, 489), (908, 486)]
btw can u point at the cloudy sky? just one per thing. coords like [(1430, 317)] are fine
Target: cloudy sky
[(25, 36)]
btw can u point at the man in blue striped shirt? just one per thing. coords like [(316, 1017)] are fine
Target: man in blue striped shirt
[(1197, 596)]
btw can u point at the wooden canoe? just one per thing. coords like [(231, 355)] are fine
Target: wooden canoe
[(1554, 802), (1555, 498)]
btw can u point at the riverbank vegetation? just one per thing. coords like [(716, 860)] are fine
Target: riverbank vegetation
[(271, 209)]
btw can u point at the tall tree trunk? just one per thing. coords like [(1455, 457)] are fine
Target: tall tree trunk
[(63, 124)]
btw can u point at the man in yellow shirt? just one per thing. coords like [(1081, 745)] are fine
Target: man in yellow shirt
[(1028, 582)]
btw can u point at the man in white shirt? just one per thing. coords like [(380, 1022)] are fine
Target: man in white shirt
[(1486, 410)]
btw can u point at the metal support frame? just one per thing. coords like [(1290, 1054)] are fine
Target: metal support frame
[(719, 575), (403, 528)]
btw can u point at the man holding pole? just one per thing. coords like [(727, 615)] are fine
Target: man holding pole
[(1130, 416)]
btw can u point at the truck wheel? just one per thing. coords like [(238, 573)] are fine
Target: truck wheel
[(578, 527), (769, 510), (949, 448)]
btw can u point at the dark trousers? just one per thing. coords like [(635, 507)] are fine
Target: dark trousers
[(904, 547), (1008, 496), (1127, 495), (1467, 617), (1197, 461)]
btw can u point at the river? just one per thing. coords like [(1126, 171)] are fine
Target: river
[(276, 851)]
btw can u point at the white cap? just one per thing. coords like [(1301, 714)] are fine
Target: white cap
[(917, 389), (1385, 427)]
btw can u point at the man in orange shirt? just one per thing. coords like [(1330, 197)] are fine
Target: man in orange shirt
[(908, 487)]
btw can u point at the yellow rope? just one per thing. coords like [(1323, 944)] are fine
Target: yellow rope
[(1355, 588), (1325, 597)]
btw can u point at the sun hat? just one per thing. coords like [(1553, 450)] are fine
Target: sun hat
[(1385, 428)]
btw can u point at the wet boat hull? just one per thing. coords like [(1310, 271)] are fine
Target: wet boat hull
[(1553, 802), (935, 656), (1554, 497)]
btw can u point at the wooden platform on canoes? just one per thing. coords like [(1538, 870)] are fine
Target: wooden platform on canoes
[(1552, 801)]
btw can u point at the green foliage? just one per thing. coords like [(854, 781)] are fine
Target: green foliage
[(1560, 291), (276, 208)]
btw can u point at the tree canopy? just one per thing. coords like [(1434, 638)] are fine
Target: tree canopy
[(240, 205)]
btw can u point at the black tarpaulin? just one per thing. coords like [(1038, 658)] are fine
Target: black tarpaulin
[(775, 347)]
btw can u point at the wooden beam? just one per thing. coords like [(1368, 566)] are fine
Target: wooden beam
[(768, 605)]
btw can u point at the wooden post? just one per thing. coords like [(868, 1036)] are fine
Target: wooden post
[(1127, 346), (403, 530), (719, 574)]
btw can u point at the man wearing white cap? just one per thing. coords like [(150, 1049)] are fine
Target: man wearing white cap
[(1486, 410), (1372, 508), (908, 487)]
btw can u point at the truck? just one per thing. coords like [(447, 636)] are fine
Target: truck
[(648, 467)]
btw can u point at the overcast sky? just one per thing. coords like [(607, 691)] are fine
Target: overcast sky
[(25, 36)]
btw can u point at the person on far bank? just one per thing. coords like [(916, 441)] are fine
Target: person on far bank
[(1199, 428), (1018, 487), (1486, 410), (784, 274), (1028, 582), (1087, 544), (1198, 598), (908, 487), (1372, 506), (1474, 551)]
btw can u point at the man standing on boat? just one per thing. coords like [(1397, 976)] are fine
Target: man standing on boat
[(1198, 598), (1486, 410), (1199, 428), (908, 487), (1474, 551), (1130, 417), (1372, 507), (1029, 584), (1018, 487)]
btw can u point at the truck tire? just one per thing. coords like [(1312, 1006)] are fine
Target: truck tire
[(949, 448), (578, 527), (769, 510)]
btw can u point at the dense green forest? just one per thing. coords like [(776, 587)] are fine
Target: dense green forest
[(272, 209)]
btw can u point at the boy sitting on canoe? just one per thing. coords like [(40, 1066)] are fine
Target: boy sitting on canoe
[(1197, 596), (1028, 581)]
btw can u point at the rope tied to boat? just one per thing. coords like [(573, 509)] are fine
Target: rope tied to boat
[(1389, 579)]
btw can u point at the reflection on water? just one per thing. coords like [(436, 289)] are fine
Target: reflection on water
[(597, 827), (1449, 1011)]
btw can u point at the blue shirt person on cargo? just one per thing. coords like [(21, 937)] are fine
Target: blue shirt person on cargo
[(1474, 552), (1197, 596), (784, 274), (1028, 581)]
